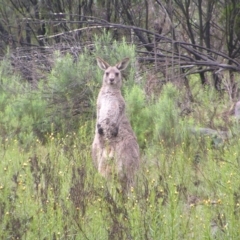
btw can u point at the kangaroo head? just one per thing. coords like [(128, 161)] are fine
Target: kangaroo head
[(112, 74)]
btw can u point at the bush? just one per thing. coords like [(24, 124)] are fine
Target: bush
[(156, 120), (22, 109), (69, 91), (181, 192), (63, 101)]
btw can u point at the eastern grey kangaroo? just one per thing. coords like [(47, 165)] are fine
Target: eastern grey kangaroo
[(115, 149)]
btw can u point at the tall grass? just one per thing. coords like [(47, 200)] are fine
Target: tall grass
[(186, 188), (53, 191)]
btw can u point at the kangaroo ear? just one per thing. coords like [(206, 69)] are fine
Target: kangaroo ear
[(102, 64), (123, 64)]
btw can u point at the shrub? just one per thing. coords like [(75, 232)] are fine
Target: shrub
[(22, 109), (63, 101), (156, 120)]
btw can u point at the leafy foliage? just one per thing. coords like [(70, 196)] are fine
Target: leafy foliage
[(156, 119), (63, 102), (186, 188), (67, 198)]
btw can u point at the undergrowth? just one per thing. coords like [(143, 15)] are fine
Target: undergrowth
[(53, 192), (187, 186)]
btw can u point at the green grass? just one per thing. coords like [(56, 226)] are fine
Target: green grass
[(53, 192), (186, 188)]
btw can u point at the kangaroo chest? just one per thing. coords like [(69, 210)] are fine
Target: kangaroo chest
[(109, 106)]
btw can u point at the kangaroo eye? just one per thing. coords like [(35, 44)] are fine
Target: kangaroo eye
[(116, 74), (107, 73)]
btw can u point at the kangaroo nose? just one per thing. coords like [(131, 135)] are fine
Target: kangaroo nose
[(111, 80)]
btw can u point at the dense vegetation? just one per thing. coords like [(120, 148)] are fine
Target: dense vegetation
[(180, 92), (187, 187)]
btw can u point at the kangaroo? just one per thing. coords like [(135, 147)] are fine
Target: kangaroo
[(115, 148)]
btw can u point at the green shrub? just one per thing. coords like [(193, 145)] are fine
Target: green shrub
[(156, 120), (63, 101), (52, 191), (69, 90), (139, 112), (22, 109)]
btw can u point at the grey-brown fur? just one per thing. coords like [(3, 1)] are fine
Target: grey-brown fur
[(115, 149)]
